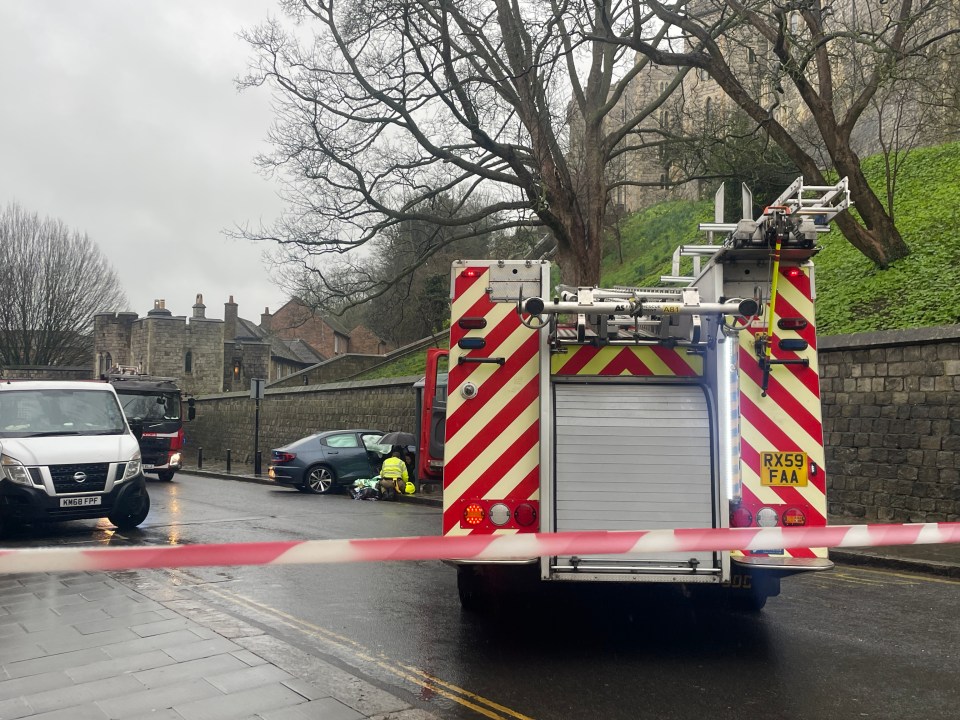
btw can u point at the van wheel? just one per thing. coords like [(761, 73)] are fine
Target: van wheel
[(165, 475), (132, 512)]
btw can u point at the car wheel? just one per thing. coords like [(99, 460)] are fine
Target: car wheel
[(165, 475), (132, 512), (319, 480)]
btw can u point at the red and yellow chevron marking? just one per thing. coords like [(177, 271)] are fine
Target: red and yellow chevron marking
[(789, 418), (634, 360), (492, 446)]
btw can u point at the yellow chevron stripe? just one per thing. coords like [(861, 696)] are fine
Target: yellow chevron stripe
[(501, 443), (775, 413), (475, 425), (482, 372), (797, 299), (608, 354), (470, 296), (508, 484), (810, 493)]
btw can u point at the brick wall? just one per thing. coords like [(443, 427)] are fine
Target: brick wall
[(294, 321), (891, 404), (362, 340)]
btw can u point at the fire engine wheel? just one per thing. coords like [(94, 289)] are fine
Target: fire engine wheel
[(319, 480), (165, 475), (132, 512), (751, 602), (470, 588)]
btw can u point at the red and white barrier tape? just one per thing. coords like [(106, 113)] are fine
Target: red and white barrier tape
[(473, 547)]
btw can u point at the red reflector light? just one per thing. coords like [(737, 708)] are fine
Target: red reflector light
[(793, 272), (525, 514), (473, 514), (792, 324), (741, 517), (283, 457), (794, 516), (471, 273), (472, 323)]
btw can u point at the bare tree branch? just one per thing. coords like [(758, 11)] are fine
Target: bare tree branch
[(53, 281)]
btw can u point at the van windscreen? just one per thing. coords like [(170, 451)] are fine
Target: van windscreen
[(35, 412)]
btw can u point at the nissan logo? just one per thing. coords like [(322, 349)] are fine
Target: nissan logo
[(79, 477)]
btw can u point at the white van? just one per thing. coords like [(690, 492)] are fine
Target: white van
[(67, 453)]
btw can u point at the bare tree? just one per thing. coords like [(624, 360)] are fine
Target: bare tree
[(805, 48), (391, 105), (53, 281)]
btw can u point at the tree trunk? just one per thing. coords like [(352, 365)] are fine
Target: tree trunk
[(878, 238), (580, 263)]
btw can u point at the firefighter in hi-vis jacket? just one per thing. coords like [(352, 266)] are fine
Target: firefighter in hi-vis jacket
[(393, 474)]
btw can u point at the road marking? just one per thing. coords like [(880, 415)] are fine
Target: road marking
[(915, 578), (416, 676), (849, 574)]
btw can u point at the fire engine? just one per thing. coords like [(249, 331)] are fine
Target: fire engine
[(152, 406), (695, 404)]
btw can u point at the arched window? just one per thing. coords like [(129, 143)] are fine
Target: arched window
[(108, 361), (188, 362), (708, 108)]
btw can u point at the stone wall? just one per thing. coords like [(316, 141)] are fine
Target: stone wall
[(346, 366), (204, 342), (111, 340), (227, 420), (891, 405), (244, 361), (45, 372), (163, 338)]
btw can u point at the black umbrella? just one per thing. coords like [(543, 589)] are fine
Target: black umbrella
[(398, 438)]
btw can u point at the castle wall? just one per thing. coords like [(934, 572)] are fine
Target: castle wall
[(204, 342)]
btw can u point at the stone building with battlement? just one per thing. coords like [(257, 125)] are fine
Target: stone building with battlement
[(205, 355)]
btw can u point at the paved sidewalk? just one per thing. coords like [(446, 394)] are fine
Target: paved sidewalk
[(93, 646), (86, 646)]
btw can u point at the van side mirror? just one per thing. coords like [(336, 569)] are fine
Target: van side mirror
[(191, 409)]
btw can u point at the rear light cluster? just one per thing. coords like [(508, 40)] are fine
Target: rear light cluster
[(766, 516), (283, 457), (512, 514)]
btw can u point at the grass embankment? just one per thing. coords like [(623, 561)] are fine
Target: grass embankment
[(921, 290), (853, 295)]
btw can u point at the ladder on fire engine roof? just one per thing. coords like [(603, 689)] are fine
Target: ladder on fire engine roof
[(673, 315), (810, 209)]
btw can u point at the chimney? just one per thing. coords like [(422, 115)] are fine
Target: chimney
[(229, 320), (265, 319), (159, 308), (199, 309)]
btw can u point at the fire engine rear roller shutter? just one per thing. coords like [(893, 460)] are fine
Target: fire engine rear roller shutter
[(633, 457)]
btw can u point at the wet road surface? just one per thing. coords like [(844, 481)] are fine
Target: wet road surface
[(850, 643)]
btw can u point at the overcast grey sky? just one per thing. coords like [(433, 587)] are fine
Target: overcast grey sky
[(121, 118)]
